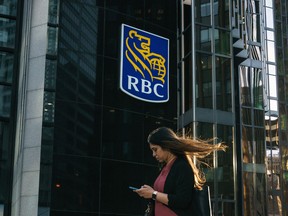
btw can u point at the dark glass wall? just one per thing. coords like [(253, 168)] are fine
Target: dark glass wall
[(94, 137), (278, 178), (9, 28)]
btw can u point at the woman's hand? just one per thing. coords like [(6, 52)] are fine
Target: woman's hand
[(145, 191)]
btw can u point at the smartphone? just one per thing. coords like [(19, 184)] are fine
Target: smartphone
[(133, 188)]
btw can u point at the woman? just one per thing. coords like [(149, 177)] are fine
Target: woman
[(173, 188)]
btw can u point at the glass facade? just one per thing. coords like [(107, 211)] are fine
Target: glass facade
[(276, 125), (228, 80), (94, 136), (9, 23), (205, 102)]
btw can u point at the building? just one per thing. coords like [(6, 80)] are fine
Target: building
[(71, 141)]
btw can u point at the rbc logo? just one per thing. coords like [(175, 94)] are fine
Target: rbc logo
[(144, 72)]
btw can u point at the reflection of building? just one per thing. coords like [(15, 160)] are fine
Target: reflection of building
[(69, 138)]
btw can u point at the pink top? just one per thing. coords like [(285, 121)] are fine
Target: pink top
[(161, 209)]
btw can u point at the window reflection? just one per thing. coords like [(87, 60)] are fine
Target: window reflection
[(225, 164), (6, 67), (257, 87), (53, 11), (222, 41), (4, 147), (8, 7), (272, 86), (259, 135), (245, 86), (270, 35), (50, 74), (223, 84), (204, 81), (49, 107), (269, 18), (247, 144), (248, 193), (7, 32), (203, 12), (246, 116), (52, 40), (271, 51), (203, 38), (221, 13), (5, 101), (261, 194), (188, 83)]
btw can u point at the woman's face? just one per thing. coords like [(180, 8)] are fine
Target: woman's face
[(159, 153)]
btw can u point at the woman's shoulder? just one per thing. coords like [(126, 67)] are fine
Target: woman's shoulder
[(181, 162)]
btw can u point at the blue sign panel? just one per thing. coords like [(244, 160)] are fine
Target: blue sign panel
[(144, 72)]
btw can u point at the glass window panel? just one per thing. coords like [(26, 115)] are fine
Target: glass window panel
[(248, 194), (283, 117), (78, 128), (6, 67), (5, 101), (259, 117), (50, 74), (223, 84), (53, 11), (222, 41), (277, 9), (221, 13), (279, 35), (204, 81), (160, 12), (271, 69), (269, 18), (280, 62), (269, 3), (188, 83), (52, 40), (246, 116), (49, 107), (272, 86), (260, 152), (203, 38), (225, 162), (203, 12), (7, 32), (245, 86), (271, 51), (273, 105), (187, 15), (257, 88), (205, 131), (261, 194), (75, 186), (46, 167), (270, 35), (187, 41), (228, 208), (256, 31), (8, 7), (135, 174), (4, 148), (247, 144)]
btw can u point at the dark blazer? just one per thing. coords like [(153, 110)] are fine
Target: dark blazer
[(179, 186)]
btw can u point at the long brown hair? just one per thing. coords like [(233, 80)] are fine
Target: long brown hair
[(192, 149)]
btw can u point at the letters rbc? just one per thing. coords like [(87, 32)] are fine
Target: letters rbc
[(144, 86)]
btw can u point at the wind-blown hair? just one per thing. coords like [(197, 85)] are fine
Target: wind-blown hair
[(192, 149)]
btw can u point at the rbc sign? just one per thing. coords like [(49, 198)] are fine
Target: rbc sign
[(144, 72)]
